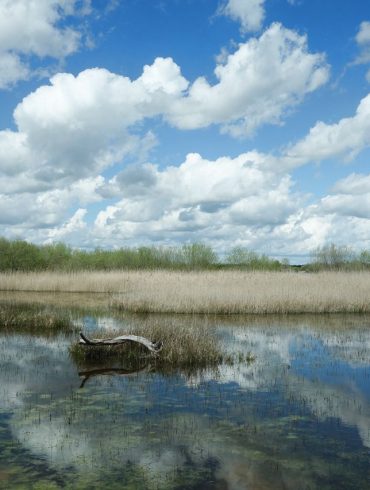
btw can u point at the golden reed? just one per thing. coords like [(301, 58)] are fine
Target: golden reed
[(219, 292)]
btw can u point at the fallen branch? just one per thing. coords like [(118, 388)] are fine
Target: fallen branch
[(122, 339)]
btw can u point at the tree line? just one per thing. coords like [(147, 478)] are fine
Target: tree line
[(20, 255), (334, 257)]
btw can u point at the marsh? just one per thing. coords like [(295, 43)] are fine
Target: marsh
[(211, 292), (298, 416)]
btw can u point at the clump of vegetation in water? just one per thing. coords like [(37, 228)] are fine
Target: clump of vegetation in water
[(32, 318), (194, 346)]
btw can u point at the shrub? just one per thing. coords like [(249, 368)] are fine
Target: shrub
[(243, 258)]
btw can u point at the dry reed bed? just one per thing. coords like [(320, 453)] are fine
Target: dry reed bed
[(220, 292)]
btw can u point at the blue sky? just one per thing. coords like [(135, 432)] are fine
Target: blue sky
[(230, 122)]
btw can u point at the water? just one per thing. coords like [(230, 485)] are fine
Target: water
[(298, 417)]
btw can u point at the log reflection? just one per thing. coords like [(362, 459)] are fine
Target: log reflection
[(111, 371)]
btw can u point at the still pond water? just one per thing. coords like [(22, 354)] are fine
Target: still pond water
[(298, 417)]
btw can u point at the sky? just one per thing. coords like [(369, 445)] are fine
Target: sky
[(163, 122)]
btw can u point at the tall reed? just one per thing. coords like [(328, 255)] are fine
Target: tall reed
[(220, 292)]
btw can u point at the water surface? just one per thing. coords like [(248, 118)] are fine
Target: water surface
[(296, 418)]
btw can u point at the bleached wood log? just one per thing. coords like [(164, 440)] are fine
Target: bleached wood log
[(122, 339)]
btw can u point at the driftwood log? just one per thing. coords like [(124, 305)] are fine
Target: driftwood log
[(154, 347)]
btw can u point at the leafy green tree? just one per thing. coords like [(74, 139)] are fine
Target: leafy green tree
[(56, 256), (332, 256), (244, 258), (364, 258), (241, 256), (198, 255)]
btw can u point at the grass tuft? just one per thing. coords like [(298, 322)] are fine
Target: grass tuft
[(192, 347), (32, 319)]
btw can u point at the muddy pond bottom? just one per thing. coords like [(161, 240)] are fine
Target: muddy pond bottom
[(298, 417)]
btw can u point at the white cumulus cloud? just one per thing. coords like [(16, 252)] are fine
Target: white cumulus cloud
[(258, 84), (31, 27), (350, 197), (363, 42), (200, 198), (250, 13), (80, 125), (345, 138), (69, 132)]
